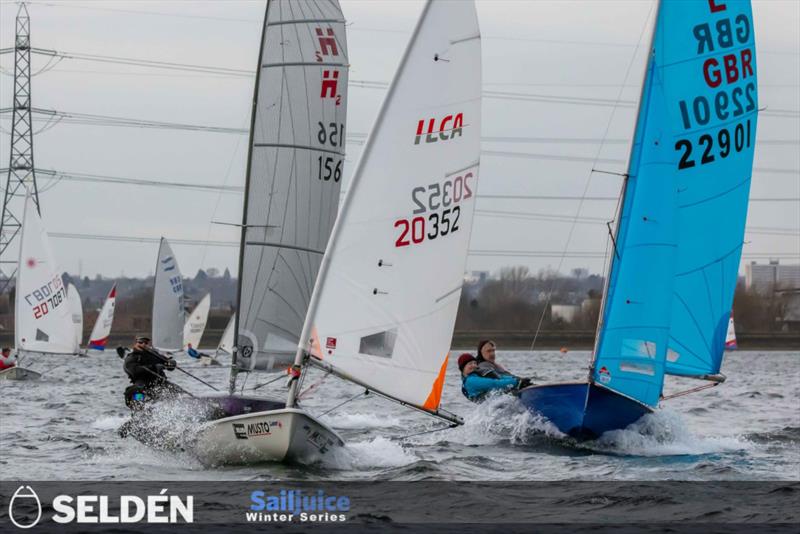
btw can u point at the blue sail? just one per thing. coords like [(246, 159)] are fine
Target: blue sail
[(681, 223), (713, 193)]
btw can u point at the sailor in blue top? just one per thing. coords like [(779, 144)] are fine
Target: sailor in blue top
[(475, 387), (191, 351)]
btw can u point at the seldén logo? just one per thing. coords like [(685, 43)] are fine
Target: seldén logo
[(22, 497), (161, 508), (448, 128)]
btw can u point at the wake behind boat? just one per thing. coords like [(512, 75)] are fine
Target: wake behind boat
[(680, 230)]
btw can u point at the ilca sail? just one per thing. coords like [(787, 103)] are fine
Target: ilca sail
[(294, 176), (385, 303), (168, 312), (43, 315)]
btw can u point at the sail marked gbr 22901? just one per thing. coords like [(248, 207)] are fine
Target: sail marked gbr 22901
[(385, 302), (681, 229)]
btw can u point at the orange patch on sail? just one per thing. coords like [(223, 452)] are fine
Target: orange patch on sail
[(316, 349), (435, 396)]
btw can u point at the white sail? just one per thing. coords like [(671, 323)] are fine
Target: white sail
[(102, 327), (385, 303), (196, 324), (730, 335), (294, 176), (76, 308), (226, 341), (168, 313), (43, 319)]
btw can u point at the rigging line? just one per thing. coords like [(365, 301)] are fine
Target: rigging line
[(364, 393), (446, 427), (594, 164), (259, 386)]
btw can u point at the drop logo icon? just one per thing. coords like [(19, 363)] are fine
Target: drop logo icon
[(22, 500)]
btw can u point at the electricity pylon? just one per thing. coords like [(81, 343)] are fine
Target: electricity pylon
[(21, 174)]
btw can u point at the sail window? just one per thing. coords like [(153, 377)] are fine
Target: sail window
[(380, 344), (638, 347), (41, 336), (640, 368), (672, 356)]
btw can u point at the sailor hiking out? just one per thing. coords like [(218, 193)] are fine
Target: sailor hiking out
[(145, 366), (475, 387)]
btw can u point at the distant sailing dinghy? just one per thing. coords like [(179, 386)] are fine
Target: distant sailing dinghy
[(196, 323), (730, 336), (168, 313), (44, 325), (226, 341), (76, 307), (680, 230), (377, 316), (102, 326)]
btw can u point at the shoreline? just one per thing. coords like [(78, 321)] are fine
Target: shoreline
[(509, 340)]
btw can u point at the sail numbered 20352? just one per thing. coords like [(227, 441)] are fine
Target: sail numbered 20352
[(294, 176), (386, 301)]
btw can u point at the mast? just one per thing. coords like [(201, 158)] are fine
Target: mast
[(291, 399), (243, 237), (624, 189)]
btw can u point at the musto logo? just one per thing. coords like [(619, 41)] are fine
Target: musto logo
[(254, 430), (297, 506), (161, 508)]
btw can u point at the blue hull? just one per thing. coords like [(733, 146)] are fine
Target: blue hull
[(581, 410)]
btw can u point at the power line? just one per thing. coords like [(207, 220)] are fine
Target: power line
[(472, 252), (367, 84), (102, 178)]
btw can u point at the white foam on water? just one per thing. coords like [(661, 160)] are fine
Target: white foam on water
[(372, 453), (109, 422), (665, 433), (499, 417)]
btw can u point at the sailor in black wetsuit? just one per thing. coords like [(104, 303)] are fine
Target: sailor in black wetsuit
[(145, 366)]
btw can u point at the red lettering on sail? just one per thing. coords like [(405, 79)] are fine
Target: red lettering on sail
[(440, 130), (327, 45), (329, 83), (712, 4)]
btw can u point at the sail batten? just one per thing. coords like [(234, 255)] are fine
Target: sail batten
[(685, 202), (295, 166)]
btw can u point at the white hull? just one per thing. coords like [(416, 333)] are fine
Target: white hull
[(18, 373), (287, 434)]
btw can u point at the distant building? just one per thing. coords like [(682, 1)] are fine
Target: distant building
[(477, 277), (764, 278), (566, 312)]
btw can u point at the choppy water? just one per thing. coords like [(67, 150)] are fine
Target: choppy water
[(64, 427)]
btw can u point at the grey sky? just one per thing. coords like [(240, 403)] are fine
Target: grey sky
[(579, 49)]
